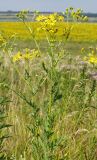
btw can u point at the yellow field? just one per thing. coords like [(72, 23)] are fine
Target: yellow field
[(80, 31)]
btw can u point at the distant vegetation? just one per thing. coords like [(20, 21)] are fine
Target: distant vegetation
[(11, 15)]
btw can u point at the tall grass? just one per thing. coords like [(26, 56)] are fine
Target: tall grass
[(52, 107)]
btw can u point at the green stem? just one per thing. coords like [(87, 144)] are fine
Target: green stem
[(92, 91), (31, 33)]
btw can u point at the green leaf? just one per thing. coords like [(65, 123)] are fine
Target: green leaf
[(5, 126)]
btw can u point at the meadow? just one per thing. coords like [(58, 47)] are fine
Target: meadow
[(48, 88), (82, 35), (81, 31)]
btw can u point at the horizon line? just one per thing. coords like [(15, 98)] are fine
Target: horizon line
[(41, 11)]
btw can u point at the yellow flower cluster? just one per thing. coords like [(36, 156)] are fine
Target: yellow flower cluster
[(27, 55), (91, 57), (49, 22)]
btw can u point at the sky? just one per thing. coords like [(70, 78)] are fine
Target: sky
[(48, 5)]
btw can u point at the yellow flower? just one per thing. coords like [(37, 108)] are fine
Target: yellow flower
[(93, 59), (49, 22), (17, 57), (61, 18), (27, 55), (40, 18)]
